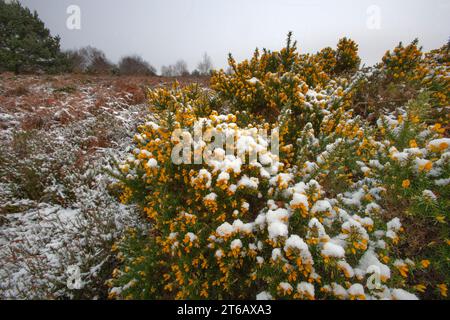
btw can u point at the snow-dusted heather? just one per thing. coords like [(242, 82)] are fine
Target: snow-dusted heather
[(56, 211)]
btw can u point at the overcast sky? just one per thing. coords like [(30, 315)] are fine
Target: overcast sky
[(162, 31)]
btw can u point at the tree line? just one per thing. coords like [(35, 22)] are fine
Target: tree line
[(94, 61)]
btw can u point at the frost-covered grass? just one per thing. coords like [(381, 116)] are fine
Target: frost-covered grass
[(59, 137)]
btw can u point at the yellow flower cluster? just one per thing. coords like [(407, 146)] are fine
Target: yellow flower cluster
[(430, 71), (405, 62), (270, 81), (347, 56)]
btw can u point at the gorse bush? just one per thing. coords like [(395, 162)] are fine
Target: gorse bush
[(347, 59), (404, 74), (404, 63), (273, 80), (326, 218)]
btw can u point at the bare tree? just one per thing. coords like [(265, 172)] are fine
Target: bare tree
[(135, 65), (205, 66), (181, 68), (99, 63), (167, 71), (75, 60), (89, 59)]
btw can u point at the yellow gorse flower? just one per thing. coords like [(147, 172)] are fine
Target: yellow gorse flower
[(406, 183)]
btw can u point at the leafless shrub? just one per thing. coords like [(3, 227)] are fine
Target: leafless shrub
[(205, 66), (89, 60), (179, 69), (135, 65)]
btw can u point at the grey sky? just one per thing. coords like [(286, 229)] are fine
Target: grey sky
[(162, 31)]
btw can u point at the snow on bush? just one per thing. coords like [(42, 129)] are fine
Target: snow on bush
[(309, 224)]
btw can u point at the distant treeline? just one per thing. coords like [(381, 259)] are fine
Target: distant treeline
[(94, 61), (26, 46)]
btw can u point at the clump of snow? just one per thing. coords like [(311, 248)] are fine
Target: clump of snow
[(210, 197), (305, 288), (321, 206), (223, 176), (333, 250), (295, 242), (370, 259), (394, 224), (439, 144), (152, 163), (277, 229), (225, 229), (264, 295), (285, 286), (356, 290), (236, 244), (253, 80), (400, 294), (429, 194), (299, 199), (276, 220), (247, 182)]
